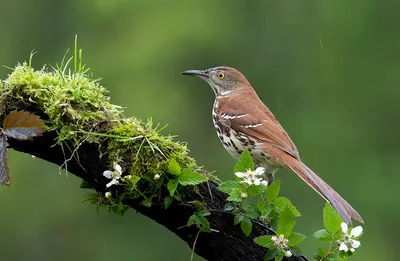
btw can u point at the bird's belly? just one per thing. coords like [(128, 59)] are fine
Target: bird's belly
[(235, 143)]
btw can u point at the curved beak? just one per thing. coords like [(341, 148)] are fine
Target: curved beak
[(199, 73)]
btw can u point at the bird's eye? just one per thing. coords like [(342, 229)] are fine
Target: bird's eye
[(221, 75)]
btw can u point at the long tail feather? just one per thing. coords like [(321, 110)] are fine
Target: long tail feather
[(329, 194)]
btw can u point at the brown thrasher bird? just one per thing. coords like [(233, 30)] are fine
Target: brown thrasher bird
[(242, 121)]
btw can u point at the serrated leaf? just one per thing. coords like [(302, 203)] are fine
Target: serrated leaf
[(244, 162), (246, 226), (235, 195), (295, 239), (323, 235), (281, 203), (263, 207), (285, 223), (228, 207), (171, 186), (273, 190), (228, 186), (254, 190), (173, 167), (264, 241), (4, 173), (238, 218), (22, 125), (271, 253), (250, 210), (332, 219), (188, 177), (168, 201)]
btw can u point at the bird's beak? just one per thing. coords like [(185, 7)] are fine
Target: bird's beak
[(199, 73)]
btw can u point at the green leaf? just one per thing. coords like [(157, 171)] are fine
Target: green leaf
[(271, 253), (171, 186), (173, 167), (147, 202), (235, 195), (295, 239), (229, 207), (281, 202), (203, 224), (320, 254), (285, 223), (332, 219), (254, 190), (246, 226), (273, 190), (250, 210), (264, 241), (279, 256), (228, 186), (263, 207), (168, 201), (323, 235), (244, 163), (193, 219), (200, 221), (188, 177), (238, 218), (84, 185)]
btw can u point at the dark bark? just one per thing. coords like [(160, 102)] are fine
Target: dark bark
[(228, 244)]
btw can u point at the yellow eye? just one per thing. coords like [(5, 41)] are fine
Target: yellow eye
[(221, 75)]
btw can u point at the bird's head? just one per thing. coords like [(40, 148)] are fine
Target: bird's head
[(223, 80)]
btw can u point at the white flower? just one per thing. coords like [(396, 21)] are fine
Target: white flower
[(108, 195), (156, 177), (288, 253), (281, 242), (250, 177), (348, 240), (113, 175), (243, 195)]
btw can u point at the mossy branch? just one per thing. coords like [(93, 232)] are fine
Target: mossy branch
[(88, 135)]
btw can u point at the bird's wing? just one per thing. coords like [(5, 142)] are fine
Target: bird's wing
[(253, 118)]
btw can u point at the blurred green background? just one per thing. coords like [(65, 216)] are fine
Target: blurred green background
[(329, 70)]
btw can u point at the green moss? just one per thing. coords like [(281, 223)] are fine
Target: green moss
[(79, 108)]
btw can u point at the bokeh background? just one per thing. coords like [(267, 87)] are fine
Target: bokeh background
[(329, 70)]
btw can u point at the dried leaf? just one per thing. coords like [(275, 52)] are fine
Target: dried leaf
[(4, 175), (22, 125)]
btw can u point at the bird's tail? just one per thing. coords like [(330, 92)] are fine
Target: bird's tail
[(329, 194)]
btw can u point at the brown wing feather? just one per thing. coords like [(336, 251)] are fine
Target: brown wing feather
[(269, 131)]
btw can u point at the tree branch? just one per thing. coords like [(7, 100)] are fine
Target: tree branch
[(226, 242)]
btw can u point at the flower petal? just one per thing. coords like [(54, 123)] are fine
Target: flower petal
[(355, 243), (355, 232), (259, 171), (239, 174), (257, 182), (112, 182), (344, 227), (343, 247), (264, 182), (118, 169), (108, 174), (352, 249)]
